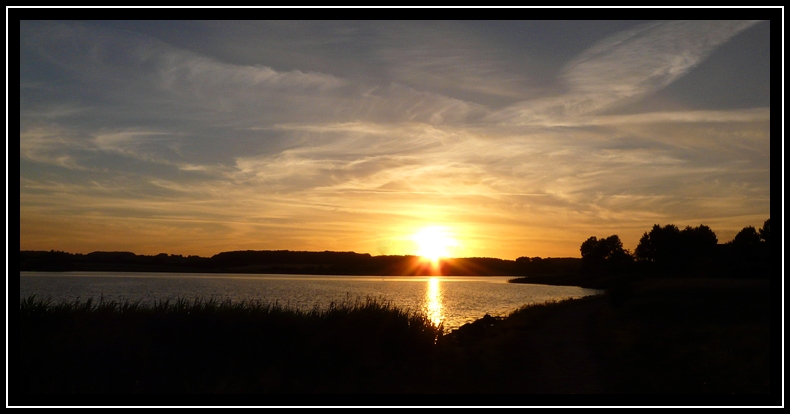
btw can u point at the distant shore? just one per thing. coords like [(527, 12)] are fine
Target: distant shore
[(291, 262)]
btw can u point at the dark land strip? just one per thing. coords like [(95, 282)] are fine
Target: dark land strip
[(708, 340)]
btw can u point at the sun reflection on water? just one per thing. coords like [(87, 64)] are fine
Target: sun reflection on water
[(433, 301)]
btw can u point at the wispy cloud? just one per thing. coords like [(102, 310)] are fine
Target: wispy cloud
[(740, 115), (50, 146), (626, 67), (645, 59)]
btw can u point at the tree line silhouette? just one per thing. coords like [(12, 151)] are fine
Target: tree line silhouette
[(264, 262), (664, 250), (669, 251)]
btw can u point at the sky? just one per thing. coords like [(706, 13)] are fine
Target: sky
[(504, 138)]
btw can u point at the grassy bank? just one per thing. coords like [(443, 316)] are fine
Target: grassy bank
[(660, 337), (698, 336), (217, 347)]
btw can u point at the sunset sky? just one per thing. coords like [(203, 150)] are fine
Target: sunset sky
[(498, 138)]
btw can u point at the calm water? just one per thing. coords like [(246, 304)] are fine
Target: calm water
[(450, 300)]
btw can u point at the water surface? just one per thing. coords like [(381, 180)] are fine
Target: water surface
[(451, 300)]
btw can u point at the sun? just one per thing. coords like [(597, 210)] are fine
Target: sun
[(434, 243)]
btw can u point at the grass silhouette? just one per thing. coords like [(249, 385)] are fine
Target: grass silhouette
[(658, 336)]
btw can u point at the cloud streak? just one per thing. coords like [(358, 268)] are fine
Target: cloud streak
[(625, 67)]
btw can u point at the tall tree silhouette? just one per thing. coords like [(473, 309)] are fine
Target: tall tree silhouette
[(746, 238), (679, 250), (661, 245), (604, 255), (746, 246), (609, 248), (749, 252), (765, 231), (696, 243)]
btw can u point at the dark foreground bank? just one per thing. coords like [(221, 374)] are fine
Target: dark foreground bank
[(661, 337)]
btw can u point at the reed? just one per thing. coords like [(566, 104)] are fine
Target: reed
[(212, 346)]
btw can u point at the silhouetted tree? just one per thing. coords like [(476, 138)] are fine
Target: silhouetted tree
[(604, 255), (589, 248), (765, 232), (769, 254), (746, 245), (661, 245), (683, 251), (747, 237), (609, 248), (696, 243), (748, 253)]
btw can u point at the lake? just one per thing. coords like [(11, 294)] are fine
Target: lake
[(451, 300)]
